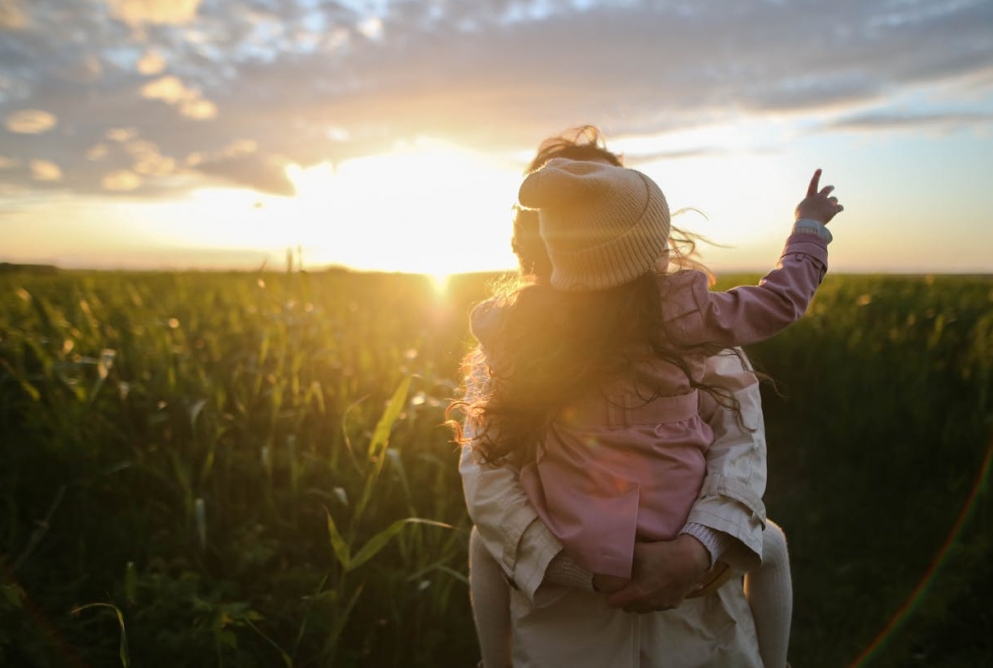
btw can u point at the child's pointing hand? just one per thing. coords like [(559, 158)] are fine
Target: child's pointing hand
[(818, 205)]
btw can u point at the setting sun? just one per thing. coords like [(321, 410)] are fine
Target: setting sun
[(426, 208)]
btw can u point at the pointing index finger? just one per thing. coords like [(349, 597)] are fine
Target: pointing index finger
[(814, 183)]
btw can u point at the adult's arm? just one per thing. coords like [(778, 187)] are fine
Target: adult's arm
[(730, 501), (507, 522)]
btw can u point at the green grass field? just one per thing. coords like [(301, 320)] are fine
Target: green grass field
[(245, 470)]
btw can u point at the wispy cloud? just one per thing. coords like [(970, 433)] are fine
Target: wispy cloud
[(940, 121), (301, 81)]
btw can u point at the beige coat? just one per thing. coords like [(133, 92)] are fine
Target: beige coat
[(573, 629), (579, 630)]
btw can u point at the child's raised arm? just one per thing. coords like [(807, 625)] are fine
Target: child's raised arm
[(818, 205)]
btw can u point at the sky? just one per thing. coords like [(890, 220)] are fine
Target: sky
[(392, 134)]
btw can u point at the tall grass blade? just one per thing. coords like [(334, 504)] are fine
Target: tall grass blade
[(338, 544), (379, 541), (331, 645), (124, 653), (131, 583), (381, 439), (287, 661)]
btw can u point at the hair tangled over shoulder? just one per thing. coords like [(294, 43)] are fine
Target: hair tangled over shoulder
[(553, 348)]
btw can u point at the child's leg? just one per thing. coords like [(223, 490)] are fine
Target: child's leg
[(490, 595), (769, 590)]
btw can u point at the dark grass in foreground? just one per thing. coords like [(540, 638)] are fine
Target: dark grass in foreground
[(224, 464)]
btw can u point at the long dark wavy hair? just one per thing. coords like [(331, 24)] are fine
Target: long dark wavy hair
[(555, 346)]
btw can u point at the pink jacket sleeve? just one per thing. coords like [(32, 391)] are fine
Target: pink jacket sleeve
[(747, 314)]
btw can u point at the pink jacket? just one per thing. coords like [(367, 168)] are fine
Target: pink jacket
[(615, 469)]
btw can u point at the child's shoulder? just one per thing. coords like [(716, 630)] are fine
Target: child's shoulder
[(682, 292), (682, 276), (686, 281)]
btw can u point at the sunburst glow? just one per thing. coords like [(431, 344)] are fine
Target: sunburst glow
[(427, 208)]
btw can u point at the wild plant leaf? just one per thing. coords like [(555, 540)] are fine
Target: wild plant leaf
[(123, 648), (327, 596), (287, 661), (195, 412), (454, 573), (346, 438), (208, 465), (397, 463), (380, 440), (340, 620), (130, 583), (379, 541), (13, 595), (30, 389), (438, 566), (381, 435), (338, 544), (316, 392), (41, 310), (200, 512), (183, 476)]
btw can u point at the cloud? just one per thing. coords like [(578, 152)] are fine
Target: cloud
[(168, 89), (233, 92), (876, 121), (97, 152), (199, 109), (30, 121), (13, 15), (151, 63), (262, 173), (137, 12), (172, 91), (241, 147), (45, 170), (121, 134), (371, 28), (147, 160), (122, 181)]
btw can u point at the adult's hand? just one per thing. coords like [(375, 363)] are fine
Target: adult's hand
[(664, 574), (608, 584)]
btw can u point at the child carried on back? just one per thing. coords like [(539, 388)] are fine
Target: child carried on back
[(594, 386)]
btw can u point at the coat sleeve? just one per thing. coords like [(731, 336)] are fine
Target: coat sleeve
[(752, 313), (731, 497), (507, 523)]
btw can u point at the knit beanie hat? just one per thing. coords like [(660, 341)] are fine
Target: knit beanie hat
[(603, 225)]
